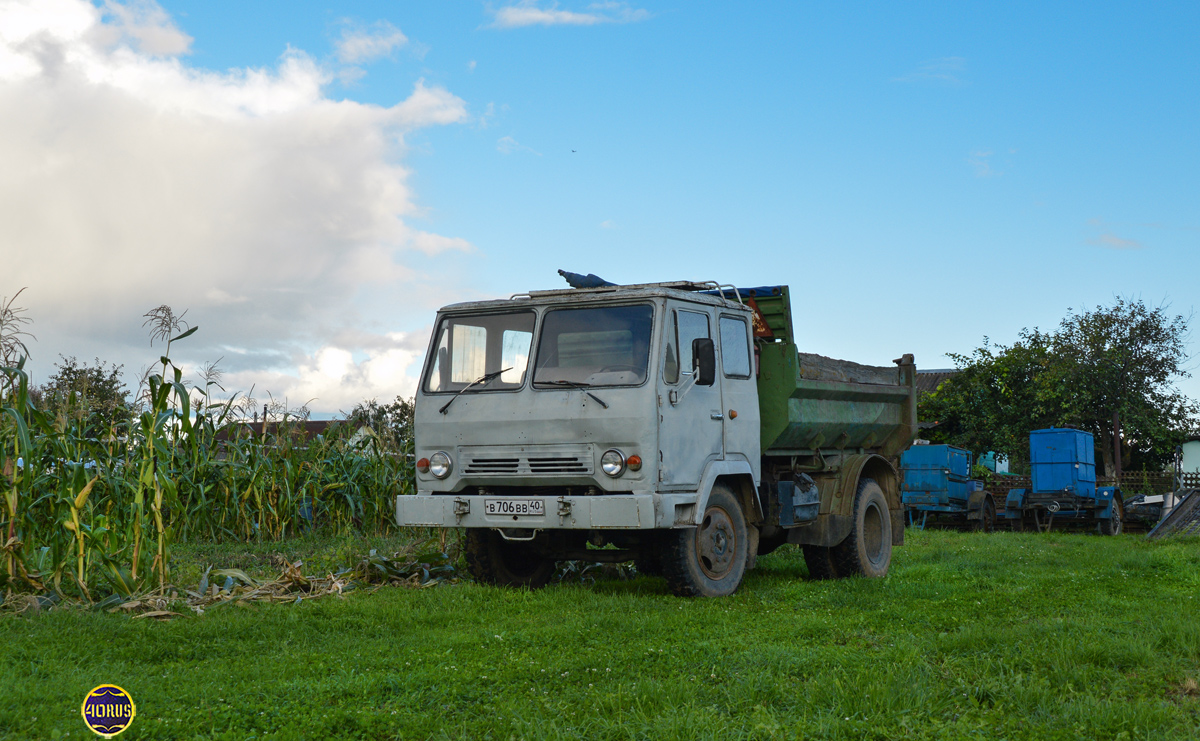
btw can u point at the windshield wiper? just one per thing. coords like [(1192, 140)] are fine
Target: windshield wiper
[(485, 378), (576, 384)]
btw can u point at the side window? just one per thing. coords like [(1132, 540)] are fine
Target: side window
[(692, 325), (735, 353), (671, 355)]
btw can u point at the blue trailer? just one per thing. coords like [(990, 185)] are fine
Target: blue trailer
[(938, 487), (1063, 467)]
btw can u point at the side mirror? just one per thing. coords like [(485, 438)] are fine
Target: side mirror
[(704, 361)]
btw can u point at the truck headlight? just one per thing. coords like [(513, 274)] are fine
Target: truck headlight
[(612, 462), (440, 464)]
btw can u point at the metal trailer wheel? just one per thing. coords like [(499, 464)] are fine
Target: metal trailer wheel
[(709, 560), (493, 560), (867, 550), (820, 561), (987, 519), (1116, 523)]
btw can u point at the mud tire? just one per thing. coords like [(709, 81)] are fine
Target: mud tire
[(493, 560), (820, 561), (709, 560), (867, 550)]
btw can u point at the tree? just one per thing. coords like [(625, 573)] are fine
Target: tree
[(1119, 360), (994, 400), (1122, 360), (392, 423), (92, 396)]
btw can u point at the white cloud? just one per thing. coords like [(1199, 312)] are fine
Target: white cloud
[(1113, 242), (276, 214), (980, 162), (330, 379), (147, 25), (432, 244), (485, 119), (1108, 238), (533, 13), (471, 65), (508, 145), (358, 45), (945, 71), (608, 224)]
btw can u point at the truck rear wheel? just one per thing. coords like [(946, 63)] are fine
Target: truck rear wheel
[(507, 563), (867, 550), (820, 561), (709, 560)]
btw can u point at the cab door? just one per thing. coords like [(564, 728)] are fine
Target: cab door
[(739, 391), (691, 420)]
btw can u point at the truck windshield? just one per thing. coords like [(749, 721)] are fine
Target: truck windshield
[(597, 346), (469, 347)]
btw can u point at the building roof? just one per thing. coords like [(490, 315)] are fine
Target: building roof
[(929, 380), (296, 428)]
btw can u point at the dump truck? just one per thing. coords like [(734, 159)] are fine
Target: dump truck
[(675, 425), (1062, 465), (937, 484)]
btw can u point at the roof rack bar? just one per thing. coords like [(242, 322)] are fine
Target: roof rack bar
[(735, 290), (709, 287)]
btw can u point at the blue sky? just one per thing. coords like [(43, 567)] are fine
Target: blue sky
[(921, 174)]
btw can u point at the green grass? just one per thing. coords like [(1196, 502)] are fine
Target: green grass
[(1006, 636), (320, 552)]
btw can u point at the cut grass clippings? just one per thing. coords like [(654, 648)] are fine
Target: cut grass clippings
[(1004, 636)]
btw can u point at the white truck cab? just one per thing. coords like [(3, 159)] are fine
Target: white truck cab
[(558, 421)]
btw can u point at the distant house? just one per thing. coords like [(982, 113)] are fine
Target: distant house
[(295, 429), (1191, 454), (929, 380)]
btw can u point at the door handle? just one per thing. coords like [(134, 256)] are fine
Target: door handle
[(716, 415)]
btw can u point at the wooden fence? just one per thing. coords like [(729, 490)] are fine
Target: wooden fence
[(1134, 482)]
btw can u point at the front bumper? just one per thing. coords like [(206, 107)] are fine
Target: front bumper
[(637, 511)]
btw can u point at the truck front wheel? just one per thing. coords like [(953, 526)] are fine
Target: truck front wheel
[(507, 563), (867, 550), (709, 560)]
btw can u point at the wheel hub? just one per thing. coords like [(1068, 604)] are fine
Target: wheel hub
[(873, 534), (716, 543)]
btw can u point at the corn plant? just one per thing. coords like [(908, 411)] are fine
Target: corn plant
[(91, 509)]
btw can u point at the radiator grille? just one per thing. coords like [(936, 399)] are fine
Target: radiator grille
[(529, 460)]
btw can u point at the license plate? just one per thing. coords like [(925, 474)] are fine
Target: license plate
[(515, 507)]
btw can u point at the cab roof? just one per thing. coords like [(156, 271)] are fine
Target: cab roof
[(708, 292)]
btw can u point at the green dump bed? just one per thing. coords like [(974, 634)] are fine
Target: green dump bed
[(811, 404)]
